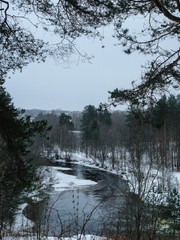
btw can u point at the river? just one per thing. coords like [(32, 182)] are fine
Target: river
[(89, 209)]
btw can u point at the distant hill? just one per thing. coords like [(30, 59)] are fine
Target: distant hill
[(76, 115), (34, 112)]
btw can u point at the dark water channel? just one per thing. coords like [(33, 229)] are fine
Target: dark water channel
[(89, 209)]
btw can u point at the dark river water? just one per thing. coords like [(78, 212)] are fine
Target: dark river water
[(89, 209)]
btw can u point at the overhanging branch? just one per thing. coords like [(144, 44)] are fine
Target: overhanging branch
[(166, 12), (157, 78), (5, 11)]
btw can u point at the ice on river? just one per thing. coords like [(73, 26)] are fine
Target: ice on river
[(64, 181), (59, 181)]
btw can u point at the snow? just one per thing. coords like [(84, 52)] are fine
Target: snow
[(78, 237), (60, 181), (64, 181), (152, 177), (177, 177), (21, 222), (80, 158)]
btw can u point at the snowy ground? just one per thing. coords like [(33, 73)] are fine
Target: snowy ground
[(82, 237), (60, 181), (80, 158), (150, 185), (177, 177)]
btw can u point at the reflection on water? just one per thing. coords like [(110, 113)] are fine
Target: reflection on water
[(82, 210)]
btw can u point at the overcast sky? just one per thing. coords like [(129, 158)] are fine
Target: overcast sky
[(55, 86)]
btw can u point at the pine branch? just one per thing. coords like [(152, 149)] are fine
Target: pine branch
[(178, 4), (166, 12)]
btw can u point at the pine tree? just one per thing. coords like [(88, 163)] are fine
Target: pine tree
[(16, 170)]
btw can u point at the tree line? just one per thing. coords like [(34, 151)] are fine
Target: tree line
[(117, 135)]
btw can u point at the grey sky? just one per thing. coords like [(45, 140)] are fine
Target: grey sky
[(51, 85)]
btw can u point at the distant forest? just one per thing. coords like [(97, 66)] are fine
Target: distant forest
[(138, 133)]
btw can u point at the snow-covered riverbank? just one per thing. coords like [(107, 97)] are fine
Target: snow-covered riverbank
[(50, 177), (60, 181), (125, 172)]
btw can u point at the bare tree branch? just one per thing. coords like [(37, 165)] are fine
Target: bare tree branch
[(5, 11), (166, 12)]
